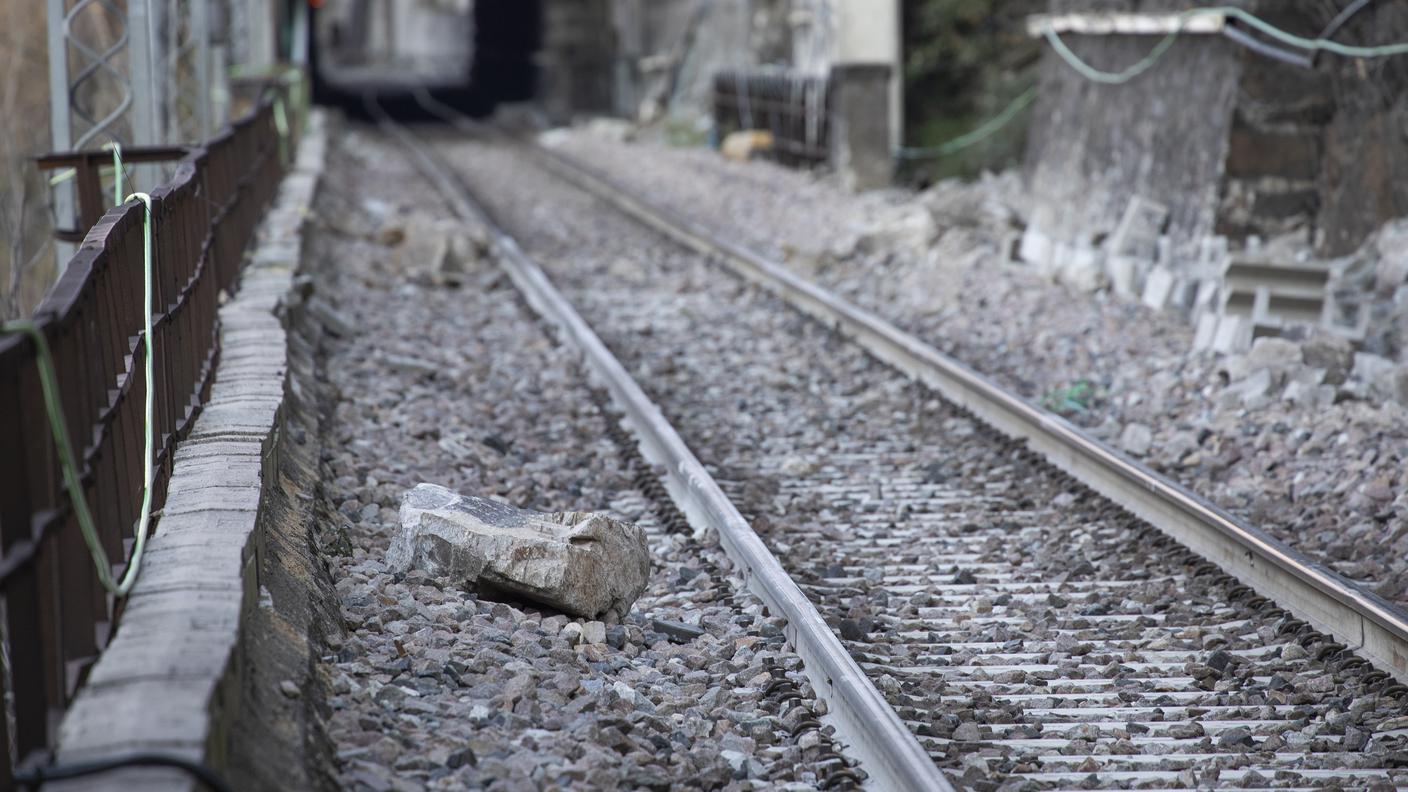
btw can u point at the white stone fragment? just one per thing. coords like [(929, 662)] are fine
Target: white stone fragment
[(1158, 287)]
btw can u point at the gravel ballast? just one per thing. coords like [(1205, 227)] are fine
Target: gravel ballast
[(1031, 635), (1328, 479), (440, 374)]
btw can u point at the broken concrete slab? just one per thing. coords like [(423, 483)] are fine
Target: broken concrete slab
[(1159, 287), (582, 563)]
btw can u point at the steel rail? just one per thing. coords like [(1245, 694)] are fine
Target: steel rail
[(1365, 622), (875, 733)]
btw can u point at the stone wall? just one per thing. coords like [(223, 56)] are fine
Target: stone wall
[(1230, 141), (1364, 174)]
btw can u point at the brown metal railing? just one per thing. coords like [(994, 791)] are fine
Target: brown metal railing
[(792, 107), (57, 615)]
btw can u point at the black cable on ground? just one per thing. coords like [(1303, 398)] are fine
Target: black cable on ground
[(34, 779)]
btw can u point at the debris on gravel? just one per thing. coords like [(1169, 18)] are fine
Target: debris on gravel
[(582, 563), (441, 687), (1313, 452)]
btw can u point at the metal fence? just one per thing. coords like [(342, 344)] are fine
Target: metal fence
[(57, 616), (791, 106)]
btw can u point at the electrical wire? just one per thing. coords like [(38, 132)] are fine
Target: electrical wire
[(38, 777), (1342, 17), (1269, 50)]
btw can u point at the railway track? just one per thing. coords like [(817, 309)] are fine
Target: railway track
[(968, 605)]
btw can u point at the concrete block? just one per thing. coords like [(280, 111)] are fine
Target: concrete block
[(1203, 334), (1081, 269), (1126, 274), (860, 125), (1158, 287), (1234, 334), (1138, 233), (1036, 248)]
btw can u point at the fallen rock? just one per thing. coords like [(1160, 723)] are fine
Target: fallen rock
[(1270, 352), (440, 247), (579, 562), (905, 230), (1136, 439), (1385, 379), (1333, 354)]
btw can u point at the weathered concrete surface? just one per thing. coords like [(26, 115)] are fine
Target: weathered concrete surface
[(1233, 142), (860, 125), (583, 563), (1163, 136), (202, 635)]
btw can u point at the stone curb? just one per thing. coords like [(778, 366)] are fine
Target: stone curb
[(171, 680)]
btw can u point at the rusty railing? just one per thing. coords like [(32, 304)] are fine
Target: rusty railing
[(793, 107), (57, 616)]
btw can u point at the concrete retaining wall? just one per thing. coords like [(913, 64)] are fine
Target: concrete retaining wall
[(1232, 142), (208, 664)]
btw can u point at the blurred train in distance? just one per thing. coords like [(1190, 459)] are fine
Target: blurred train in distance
[(471, 55)]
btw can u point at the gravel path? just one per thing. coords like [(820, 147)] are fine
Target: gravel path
[(439, 689), (1328, 479), (1031, 635)]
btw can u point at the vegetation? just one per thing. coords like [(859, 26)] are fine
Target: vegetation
[(965, 61)]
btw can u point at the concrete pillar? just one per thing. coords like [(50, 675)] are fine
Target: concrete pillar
[(263, 34), (860, 125), (868, 31)]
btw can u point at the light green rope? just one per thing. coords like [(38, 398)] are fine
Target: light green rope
[(1109, 78), (981, 133), (49, 386), (1124, 76), (130, 577)]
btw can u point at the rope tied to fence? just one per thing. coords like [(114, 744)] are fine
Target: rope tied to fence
[(58, 430)]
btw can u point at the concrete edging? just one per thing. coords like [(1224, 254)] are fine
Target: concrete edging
[(173, 679)]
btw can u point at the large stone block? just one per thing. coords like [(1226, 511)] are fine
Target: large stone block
[(579, 562)]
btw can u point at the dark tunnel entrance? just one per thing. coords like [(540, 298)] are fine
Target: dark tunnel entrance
[(502, 68)]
